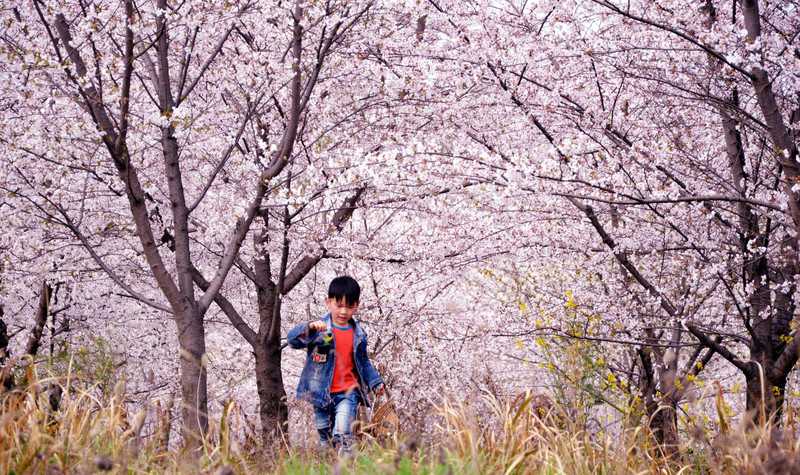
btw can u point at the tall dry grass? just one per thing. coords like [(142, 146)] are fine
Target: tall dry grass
[(92, 431), (530, 434)]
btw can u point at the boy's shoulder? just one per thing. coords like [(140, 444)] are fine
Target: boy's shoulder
[(358, 327)]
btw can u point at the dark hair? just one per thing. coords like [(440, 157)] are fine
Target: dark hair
[(344, 287)]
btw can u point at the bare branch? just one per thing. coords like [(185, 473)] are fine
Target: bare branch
[(302, 268), (182, 95), (113, 275), (680, 199), (651, 289), (711, 51), (789, 356), (228, 309), (126, 171), (623, 259), (281, 156), (225, 156), (707, 341), (232, 249), (124, 101)]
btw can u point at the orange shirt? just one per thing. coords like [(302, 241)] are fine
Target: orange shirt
[(344, 375)]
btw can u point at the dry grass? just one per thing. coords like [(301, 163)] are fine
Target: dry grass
[(92, 431), (529, 434)]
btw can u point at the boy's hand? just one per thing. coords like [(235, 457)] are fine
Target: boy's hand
[(318, 325), (378, 389)]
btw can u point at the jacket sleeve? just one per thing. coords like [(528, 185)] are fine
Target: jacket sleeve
[(370, 375), (300, 336)]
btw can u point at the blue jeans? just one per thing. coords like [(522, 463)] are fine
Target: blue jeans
[(335, 422)]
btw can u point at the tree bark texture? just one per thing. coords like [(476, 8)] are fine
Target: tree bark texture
[(272, 404), (193, 378), (42, 313), (6, 378), (764, 398), (661, 412), (4, 351), (663, 423)]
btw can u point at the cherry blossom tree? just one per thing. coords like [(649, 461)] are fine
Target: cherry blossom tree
[(649, 136), (651, 127), (165, 96), (753, 65), (494, 173)]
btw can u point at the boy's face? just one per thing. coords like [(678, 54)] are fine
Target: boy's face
[(341, 312)]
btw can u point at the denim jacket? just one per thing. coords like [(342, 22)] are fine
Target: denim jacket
[(317, 375)]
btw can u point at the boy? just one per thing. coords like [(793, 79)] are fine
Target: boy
[(337, 372)]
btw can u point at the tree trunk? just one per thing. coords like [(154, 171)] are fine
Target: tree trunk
[(4, 351), (272, 405), (6, 378), (765, 401), (662, 417), (42, 313), (663, 423), (194, 411)]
